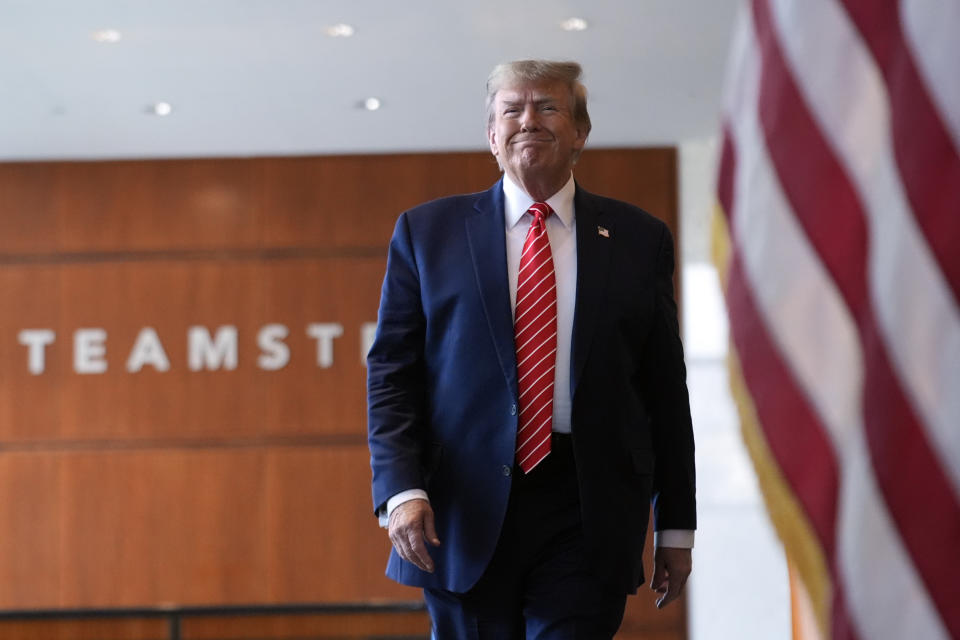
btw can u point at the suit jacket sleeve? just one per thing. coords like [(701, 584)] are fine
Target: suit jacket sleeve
[(395, 375), (674, 502)]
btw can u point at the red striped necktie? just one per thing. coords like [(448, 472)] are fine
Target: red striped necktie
[(535, 331)]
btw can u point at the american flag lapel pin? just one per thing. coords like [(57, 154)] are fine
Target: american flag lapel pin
[(603, 232)]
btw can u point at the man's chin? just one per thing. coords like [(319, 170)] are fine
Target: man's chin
[(532, 158)]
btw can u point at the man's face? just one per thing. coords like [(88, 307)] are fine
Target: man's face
[(533, 133)]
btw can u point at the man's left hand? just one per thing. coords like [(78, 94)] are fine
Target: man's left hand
[(672, 566)]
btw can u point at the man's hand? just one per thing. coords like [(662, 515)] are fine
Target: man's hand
[(410, 524), (671, 568)]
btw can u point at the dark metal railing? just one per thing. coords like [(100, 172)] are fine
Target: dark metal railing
[(175, 615)]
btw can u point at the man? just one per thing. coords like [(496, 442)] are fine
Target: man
[(526, 388)]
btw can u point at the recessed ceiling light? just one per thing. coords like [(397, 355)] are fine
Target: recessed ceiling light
[(372, 104), (161, 109), (339, 30), (574, 24), (108, 36)]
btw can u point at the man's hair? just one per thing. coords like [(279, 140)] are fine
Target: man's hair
[(539, 71)]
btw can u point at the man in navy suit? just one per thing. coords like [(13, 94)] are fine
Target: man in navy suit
[(503, 550)]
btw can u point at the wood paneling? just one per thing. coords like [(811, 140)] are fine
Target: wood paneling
[(620, 173), (31, 528), (219, 525), (213, 204), (229, 627), (85, 630), (317, 490), (170, 296), (340, 626), (264, 203), (215, 487), (163, 526)]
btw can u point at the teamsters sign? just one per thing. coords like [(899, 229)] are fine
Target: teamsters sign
[(207, 349)]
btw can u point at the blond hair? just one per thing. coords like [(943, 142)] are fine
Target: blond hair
[(536, 72)]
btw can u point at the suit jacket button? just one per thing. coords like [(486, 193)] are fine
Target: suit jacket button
[(506, 470), (513, 409)]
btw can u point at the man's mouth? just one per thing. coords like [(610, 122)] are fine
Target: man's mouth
[(531, 141)]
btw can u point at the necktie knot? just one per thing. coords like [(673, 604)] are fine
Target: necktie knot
[(540, 211)]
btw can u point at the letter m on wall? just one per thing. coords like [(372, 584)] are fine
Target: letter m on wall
[(212, 352)]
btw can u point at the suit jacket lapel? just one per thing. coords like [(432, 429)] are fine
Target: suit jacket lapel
[(593, 262), (486, 236)]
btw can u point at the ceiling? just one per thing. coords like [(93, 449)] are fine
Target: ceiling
[(261, 77)]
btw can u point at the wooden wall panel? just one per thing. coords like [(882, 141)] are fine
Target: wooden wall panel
[(30, 299), (169, 297), (270, 203), (135, 629), (28, 222), (215, 204), (339, 627), (31, 526), (650, 183), (163, 526), (325, 490), (198, 204), (220, 525), (214, 487)]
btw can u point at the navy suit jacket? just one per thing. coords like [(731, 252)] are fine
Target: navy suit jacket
[(442, 384)]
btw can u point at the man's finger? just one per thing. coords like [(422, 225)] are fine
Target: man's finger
[(672, 567), (409, 524), (430, 530), (673, 591), (400, 538), (407, 549), (659, 575), (418, 551), (400, 544)]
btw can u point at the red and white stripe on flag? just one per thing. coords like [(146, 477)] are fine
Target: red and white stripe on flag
[(838, 241)]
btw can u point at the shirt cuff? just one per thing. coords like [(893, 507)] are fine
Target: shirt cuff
[(678, 538), (396, 500)]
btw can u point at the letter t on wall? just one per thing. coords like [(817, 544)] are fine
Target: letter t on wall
[(325, 332), (36, 341)]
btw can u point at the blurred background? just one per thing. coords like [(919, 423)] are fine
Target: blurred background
[(195, 203)]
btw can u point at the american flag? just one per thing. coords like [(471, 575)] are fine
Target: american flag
[(838, 243)]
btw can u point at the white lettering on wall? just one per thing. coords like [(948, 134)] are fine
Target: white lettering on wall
[(275, 353), (147, 350), (368, 331), (325, 332), (89, 350), (204, 352), (36, 340)]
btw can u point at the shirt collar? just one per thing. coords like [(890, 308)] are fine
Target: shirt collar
[(517, 202)]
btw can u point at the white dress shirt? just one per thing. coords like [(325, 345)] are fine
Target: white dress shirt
[(562, 231)]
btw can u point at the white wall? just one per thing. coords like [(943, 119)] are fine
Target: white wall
[(739, 588)]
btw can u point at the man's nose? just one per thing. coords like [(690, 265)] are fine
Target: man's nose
[(530, 120)]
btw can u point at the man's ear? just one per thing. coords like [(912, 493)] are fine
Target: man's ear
[(492, 139), (580, 140)]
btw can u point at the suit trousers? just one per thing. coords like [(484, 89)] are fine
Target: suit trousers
[(538, 585)]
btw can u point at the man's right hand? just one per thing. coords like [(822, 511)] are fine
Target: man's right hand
[(411, 523)]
